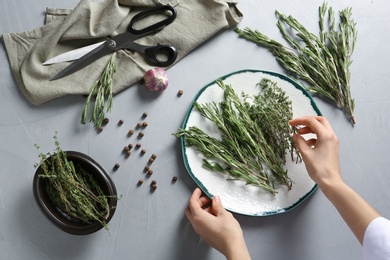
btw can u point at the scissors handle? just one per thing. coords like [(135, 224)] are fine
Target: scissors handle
[(154, 27), (161, 55)]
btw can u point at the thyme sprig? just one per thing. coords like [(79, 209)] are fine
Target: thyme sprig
[(321, 61), (72, 189), (254, 136), (102, 89)]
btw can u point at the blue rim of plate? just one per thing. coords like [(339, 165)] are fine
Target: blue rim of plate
[(184, 126)]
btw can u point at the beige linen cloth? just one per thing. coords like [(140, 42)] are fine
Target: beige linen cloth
[(93, 21)]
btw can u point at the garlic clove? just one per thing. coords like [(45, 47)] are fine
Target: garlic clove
[(156, 80)]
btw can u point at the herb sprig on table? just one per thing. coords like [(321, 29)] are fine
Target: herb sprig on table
[(72, 189), (321, 61), (255, 136), (101, 89)]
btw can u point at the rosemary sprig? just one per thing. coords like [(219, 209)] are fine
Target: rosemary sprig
[(322, 62), (102, 88), (72, 189), (255, 136)]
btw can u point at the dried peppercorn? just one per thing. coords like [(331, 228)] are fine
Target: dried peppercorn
[(116, 166), (120, 122), (139, 125), (144, 114), (126, 148), (151, 160), (138, 145), (128, 153), (144, 124), (153, 182), (150, 172), (154, 187), (146, 168), (154, 156), (140, 182), (143, 151), (105, 121), (131, 132), (141, 134), (180, 92), (174, 179)]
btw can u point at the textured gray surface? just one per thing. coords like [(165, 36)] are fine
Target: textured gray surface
[(153, 226)]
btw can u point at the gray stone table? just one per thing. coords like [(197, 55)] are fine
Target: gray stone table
[(153, 225)]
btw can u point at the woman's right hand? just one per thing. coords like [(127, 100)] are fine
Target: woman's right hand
[(320, 153), (321, 157)]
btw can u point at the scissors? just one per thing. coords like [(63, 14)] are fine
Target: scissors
[(158, 55)]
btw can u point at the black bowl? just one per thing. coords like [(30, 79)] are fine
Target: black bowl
[(61, 219)]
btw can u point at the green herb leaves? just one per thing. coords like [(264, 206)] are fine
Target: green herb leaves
[(102, 89), (322, 62), (254, 136), (72, 189)]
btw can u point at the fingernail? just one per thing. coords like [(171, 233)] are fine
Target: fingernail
[(217, 198)]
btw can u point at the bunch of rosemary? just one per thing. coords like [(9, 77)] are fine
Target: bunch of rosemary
[(255, 136), (322, 62), (102, 88), (73, 190)]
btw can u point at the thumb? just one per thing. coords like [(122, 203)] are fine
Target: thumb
[(217, 205), (301, 144)]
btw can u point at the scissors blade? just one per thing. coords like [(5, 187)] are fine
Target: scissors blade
[(72, 55), (87, 59)]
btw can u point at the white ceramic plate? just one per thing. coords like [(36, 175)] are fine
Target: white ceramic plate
[(235, 195)]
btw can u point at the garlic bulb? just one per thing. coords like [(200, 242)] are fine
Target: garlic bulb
[(156, 80)]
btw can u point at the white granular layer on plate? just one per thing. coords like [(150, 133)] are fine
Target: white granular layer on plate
[(236, 196)]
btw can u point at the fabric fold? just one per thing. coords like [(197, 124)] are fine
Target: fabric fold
[(91, 22)]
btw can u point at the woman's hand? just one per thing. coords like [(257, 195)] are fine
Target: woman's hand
[(321, 157), (320, 154), (216, 226)]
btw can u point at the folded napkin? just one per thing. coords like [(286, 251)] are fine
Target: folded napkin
[(93, 21)]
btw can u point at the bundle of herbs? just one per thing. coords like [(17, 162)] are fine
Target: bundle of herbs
[(322, 62), (72, 189), (254, 136)]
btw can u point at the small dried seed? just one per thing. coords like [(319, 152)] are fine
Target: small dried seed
[(106, 120), (151, 160), (126, 148), (138, 145), (141, 134), (120, 122), (153, 182), (100, 129), (131, 132), (140, 181), (130, 146), (180, 92), (150, 172), (154, 156), (128, 153), (143, 151), (144, 124), (116, 166), (139, 125), (174, 179), (146, 168), (154, 187), (144, 114)]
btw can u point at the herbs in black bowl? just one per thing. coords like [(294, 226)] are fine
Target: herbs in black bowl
[(74, 191)]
